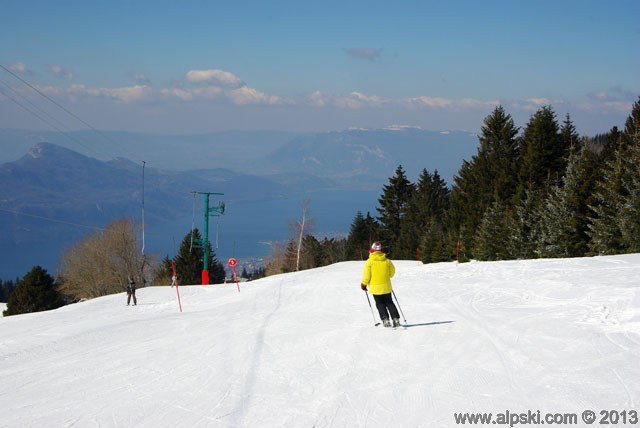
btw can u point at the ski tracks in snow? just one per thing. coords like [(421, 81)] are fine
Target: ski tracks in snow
[(533, 324), (300, 350)]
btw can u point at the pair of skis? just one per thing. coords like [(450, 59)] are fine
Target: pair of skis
[(377, 323)]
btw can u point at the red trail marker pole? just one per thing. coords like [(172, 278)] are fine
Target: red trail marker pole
[(174, 280), (232, 263)]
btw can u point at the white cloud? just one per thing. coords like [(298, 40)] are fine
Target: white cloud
[(599, 96), (531, 104), (426, 101), (240, 96), (126, 94), (131, 93), (179, 93), (357, 100), (246, 95), (623, 106), (19, 68), (473, 103), (396, 127), (616, 97), (317, 99), (58, 71), (51, 90), (204, 93), (207, 92), (442, 103), (539, 101), (208, 76)]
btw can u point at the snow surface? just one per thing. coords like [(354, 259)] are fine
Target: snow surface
[(301, 350)]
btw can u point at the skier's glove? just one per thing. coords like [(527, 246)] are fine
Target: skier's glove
[(364, 287)]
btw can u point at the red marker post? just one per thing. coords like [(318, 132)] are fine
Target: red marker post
[(232, 263), (174, 281)]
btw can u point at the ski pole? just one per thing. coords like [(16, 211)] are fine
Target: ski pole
[(399, 307), (374, 317)]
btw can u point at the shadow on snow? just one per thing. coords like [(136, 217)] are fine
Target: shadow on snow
[(427, 323)]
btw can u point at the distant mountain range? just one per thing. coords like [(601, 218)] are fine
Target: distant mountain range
[(54, 182), (89, 179), (348, 159)]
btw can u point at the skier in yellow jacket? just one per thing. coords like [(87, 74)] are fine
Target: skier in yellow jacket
[(378, 271)]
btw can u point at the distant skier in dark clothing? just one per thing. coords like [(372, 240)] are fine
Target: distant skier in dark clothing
[(378, 271), (131, 292)]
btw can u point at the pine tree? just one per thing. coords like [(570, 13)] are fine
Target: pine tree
[(465, 211), (35, 292), (334, 250), (434, 245), (217, 273), (629, 214), (563, 216), (614, 223), (491, 238), (424, 224), (6, 289), (500, 152), (190, 261), (163, 272), (569, 135), (523, 226), (363, 232), (311, 255), (394, 204), (291, 256), (436, 194), (543, 152), (612, 140), (632, 124), (490, 177), (554, 224), (604, 230), (422, 234)]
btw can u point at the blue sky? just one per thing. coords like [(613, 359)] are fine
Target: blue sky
[(199, 66)]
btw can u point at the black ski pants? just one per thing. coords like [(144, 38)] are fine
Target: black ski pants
[(386, 307), (130, 294)]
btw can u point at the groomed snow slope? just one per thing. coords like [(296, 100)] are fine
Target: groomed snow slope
[(301, 350)]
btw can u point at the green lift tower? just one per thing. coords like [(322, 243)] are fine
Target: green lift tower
[(204, 242)]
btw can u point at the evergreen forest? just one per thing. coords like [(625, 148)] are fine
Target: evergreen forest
[(541, 191)]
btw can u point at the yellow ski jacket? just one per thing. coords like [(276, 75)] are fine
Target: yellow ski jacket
[(378, 271)]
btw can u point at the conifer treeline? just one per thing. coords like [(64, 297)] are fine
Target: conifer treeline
[(540, 191), (545, 192)]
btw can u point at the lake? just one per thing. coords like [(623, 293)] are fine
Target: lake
[(244, 232), (247, 228)]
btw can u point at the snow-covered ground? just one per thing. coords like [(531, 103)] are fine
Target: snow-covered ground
[(301, 350)]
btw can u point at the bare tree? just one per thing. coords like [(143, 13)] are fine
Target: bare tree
[(302, 227), (103, 262)]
